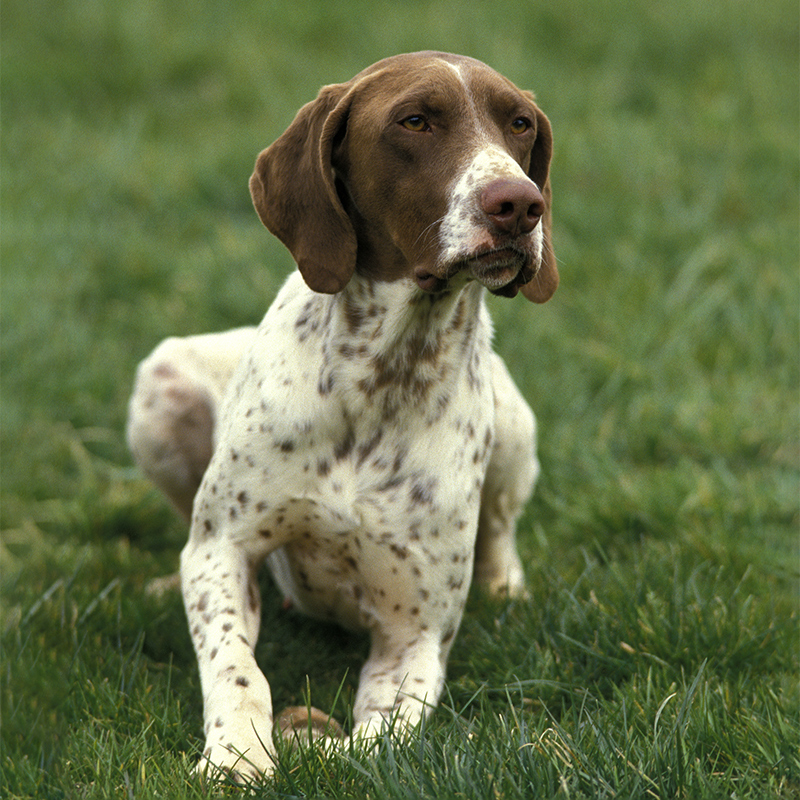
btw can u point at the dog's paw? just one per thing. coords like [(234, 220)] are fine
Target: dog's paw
[(504, 580), (512, 589), (159, 587), (226, 763)]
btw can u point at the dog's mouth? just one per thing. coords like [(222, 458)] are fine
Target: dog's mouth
[(502, 270), (496, 268)]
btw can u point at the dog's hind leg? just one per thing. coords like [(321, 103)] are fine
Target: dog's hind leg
[(173, 409)]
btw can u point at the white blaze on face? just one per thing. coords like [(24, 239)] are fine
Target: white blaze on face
[(464, 228)]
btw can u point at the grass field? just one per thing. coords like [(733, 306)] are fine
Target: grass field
[(658, 655)]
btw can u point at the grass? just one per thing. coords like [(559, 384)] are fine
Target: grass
[(658, 655)]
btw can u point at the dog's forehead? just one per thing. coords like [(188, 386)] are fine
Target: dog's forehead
[(437, 74), (408, 63)]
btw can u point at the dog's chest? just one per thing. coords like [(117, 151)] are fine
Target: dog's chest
[(364, 463)]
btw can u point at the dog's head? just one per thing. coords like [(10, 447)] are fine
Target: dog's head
[(423, 166)]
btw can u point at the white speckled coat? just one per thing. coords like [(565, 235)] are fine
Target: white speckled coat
[(370, 447)]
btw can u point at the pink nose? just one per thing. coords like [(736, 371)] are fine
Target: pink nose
[(513, 206)]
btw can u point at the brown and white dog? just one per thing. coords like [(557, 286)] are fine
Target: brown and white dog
[(364, 440)]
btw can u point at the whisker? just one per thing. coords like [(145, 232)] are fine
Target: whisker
[(427, 229)]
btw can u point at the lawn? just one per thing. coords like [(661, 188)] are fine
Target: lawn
[(658, 655)]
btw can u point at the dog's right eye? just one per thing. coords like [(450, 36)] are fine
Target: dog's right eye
[(415, 123)]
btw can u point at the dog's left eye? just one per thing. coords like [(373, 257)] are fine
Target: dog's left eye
[(520, 125), (415, 123)]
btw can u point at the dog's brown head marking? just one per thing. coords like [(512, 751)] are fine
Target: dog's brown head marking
[(423, 166)]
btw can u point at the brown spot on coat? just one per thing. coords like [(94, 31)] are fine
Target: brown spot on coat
[(343, 449)]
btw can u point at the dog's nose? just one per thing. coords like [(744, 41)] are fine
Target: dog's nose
[(513, 206)]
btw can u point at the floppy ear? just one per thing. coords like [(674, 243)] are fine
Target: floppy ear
[(541, 288), (295, 196)]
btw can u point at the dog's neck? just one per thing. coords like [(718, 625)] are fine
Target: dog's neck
[(396, 344)]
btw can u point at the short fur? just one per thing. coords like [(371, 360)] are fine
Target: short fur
[(367, 443)]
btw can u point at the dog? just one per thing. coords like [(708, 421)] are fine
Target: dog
[(364, 440)]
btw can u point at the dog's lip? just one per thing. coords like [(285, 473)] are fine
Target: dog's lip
[(429, 282), (493, 267), (496, 267)]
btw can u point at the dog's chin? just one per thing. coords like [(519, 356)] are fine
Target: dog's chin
[(496, 278), (502, 271)]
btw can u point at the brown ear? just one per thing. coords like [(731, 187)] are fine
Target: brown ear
[(295, 196), (543, 285)]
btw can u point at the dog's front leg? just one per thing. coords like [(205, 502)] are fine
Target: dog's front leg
[(223, 607), (401, 680)]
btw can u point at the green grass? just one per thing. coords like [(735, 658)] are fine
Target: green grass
[(658, 655)]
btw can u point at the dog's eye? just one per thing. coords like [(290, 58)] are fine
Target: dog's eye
[(520, 125), (415, 123)]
